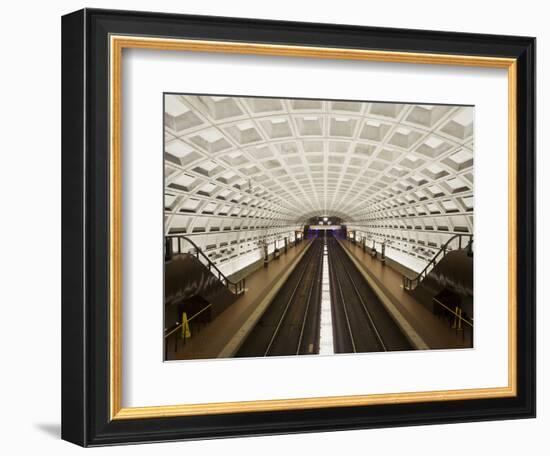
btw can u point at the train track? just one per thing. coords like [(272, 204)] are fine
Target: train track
[(361, 322), (290, 325)]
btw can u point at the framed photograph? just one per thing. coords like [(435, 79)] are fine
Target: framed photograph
[(280, 227)]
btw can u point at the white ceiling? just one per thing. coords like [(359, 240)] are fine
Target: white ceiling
[(253, 163)]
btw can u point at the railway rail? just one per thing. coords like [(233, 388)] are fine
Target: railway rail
[(290, 325), (361, 322)]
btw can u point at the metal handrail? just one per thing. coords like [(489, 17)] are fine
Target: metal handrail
[(235, 287), (455, 313), (170, 331), (412, 283)]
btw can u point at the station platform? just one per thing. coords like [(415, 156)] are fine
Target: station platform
[(222, 337), (430, 331)]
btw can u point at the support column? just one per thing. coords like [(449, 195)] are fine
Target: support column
[(266, 254)]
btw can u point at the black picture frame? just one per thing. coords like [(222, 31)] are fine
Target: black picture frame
[(86, 416)]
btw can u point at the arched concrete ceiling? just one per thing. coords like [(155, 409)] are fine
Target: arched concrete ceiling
[(399, 170)]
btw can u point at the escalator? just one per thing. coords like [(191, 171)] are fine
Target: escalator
[(195, 290), (447, 283)]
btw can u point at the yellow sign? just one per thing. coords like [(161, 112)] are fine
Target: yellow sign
[(185, 331)]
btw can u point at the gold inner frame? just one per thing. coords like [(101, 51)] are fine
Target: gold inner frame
[(117, 44)]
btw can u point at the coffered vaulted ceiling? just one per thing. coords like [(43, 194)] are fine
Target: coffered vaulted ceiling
[(399, 170)]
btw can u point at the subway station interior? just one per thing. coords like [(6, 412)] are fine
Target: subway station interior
[(316, 227)]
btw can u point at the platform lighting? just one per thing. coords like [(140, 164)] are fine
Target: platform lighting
[(325, 218)]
